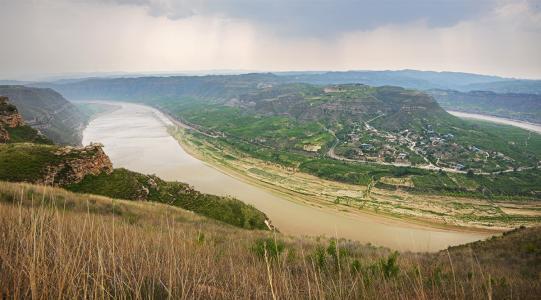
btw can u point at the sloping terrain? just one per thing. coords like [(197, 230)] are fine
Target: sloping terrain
[(12, 127), (153, 88), (89, 170), (47, 111), (60, 244), (525, 107)]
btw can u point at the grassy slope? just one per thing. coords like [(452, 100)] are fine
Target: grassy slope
[(72, 245), (27, 162), (125, 184), (24, 134)]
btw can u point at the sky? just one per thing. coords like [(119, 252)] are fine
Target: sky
[(51, 37)]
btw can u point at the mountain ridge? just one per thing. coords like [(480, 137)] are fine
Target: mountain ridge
[(49, 112)]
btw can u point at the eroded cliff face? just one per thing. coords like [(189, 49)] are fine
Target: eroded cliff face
[(76, 163), (9, 118)]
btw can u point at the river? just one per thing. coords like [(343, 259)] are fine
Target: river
[(135, 137), (524, 125)]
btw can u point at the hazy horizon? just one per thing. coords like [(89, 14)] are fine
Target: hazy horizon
[(492, 37)]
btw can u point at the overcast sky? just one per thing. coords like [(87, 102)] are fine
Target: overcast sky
[(499, 37)]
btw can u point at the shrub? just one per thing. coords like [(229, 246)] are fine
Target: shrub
[(389, 266), (272, 246)]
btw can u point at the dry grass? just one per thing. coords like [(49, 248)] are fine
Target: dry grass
[(55, 244)]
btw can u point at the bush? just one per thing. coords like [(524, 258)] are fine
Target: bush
[(272, 246), (388, 266)]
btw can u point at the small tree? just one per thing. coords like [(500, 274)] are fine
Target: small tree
[(388, 266)]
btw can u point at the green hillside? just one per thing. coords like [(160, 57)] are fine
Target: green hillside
[(89, 170), (27, 162), (46, 110), (125, 184), (357, 133)]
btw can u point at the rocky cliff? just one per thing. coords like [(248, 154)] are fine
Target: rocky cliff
[(75, 163), (9, 118), (12, 127)]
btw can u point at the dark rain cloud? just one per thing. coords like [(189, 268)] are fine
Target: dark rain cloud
[(323, 17)]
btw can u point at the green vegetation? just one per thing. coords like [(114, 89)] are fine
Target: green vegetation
[(151, 250), (25, 161), (125, 184), (26, 134), (295, 125)]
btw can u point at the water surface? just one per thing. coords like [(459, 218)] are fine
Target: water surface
[(524, 125), (135, 137)]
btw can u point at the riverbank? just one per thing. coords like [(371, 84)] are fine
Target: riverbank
[(135, 137), (465, 214), (517, 123)]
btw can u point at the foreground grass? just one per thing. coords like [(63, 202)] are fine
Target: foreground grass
[(56, 244)]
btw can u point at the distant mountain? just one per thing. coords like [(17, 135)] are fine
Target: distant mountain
[(149, 86), (507, 86), (404, 78), (526, 107), (173, 87), (47, 111)]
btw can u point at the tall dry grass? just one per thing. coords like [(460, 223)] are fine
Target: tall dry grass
[(55, 244)]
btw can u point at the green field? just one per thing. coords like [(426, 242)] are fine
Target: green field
[(283, 132)]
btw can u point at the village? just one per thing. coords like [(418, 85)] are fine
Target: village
[(424, 148)]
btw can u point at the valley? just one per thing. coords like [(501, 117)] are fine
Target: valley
[(136, 137)]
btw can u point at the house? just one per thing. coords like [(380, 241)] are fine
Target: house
[(366, 146)]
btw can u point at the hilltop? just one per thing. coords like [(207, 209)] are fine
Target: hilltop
[(47, 111), (57, 243)]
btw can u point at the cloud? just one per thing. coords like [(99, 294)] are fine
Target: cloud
[(320, 17), (66, 36)]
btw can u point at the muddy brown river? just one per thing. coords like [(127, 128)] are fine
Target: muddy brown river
[(135, 137)]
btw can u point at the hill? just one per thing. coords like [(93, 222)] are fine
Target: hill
[(319, 129), (422, 80), (12, 127), (359, 123), (412, 79), (509, 86), (367, 135), (152, 88), (525, 107), (47, 111), (145, 87), (72, 245), (89, 170)]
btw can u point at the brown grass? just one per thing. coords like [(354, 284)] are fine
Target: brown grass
[(55, 244)]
